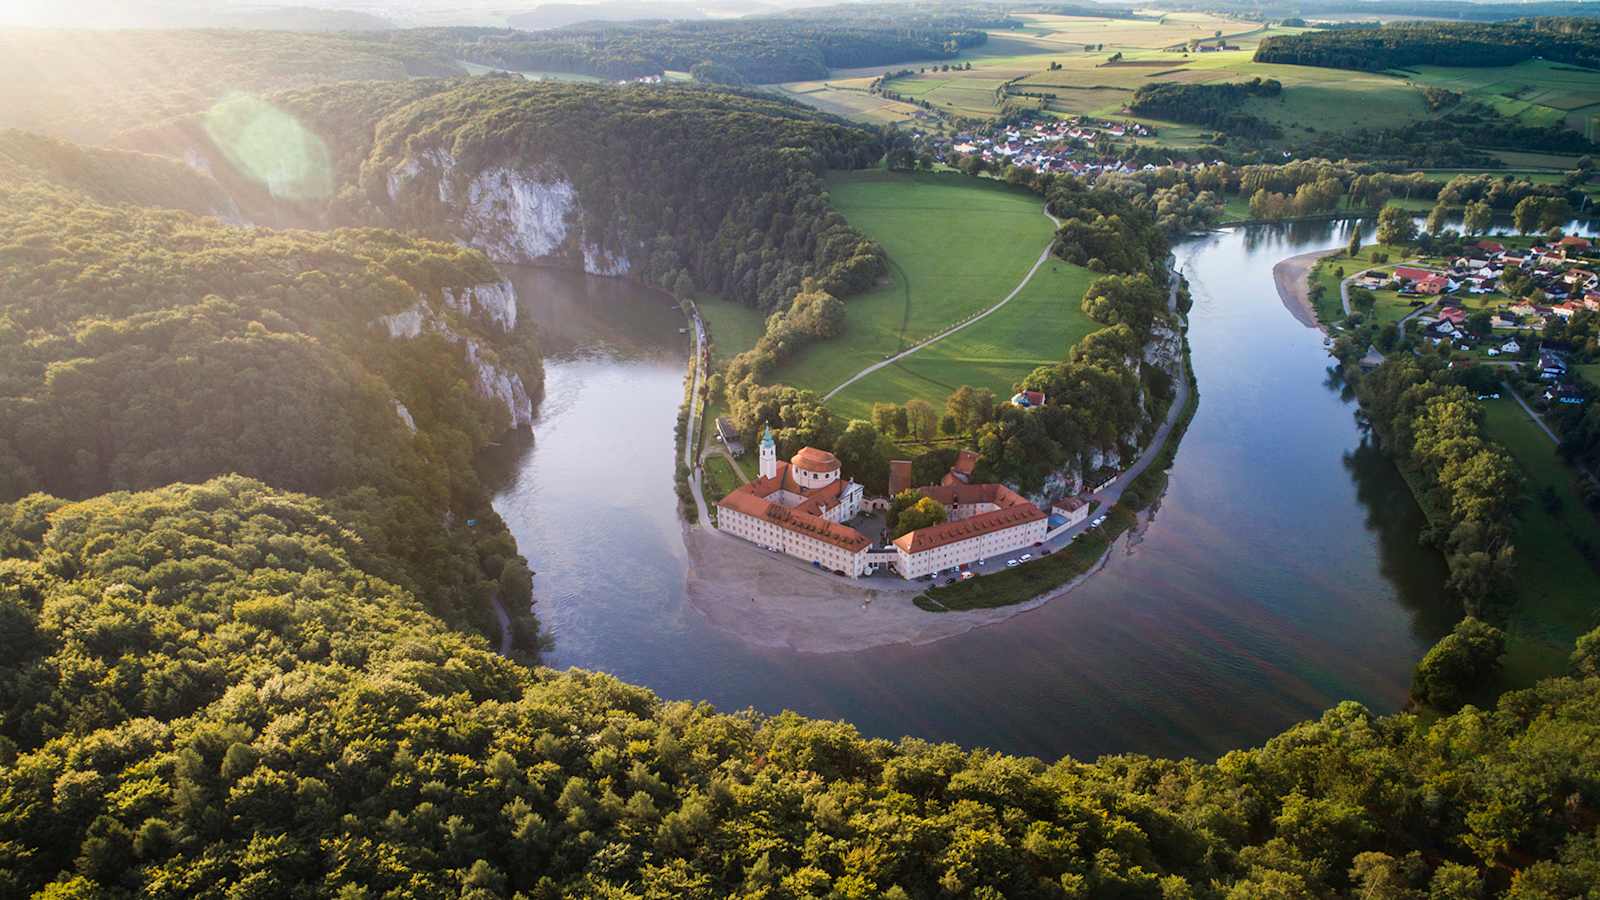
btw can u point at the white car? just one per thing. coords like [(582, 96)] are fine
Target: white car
[(1025, 557), (1011, 563), (1099, 520)]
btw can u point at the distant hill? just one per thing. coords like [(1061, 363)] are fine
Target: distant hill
[(558, 15)]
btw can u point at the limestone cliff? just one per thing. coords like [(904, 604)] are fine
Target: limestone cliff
[(1163, 352), (513, 213), (491, 307)]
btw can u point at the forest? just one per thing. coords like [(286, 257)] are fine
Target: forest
[(1574, 41), (722, 192), (1212, 105), (762, 50), (216, 684), (142, 346)]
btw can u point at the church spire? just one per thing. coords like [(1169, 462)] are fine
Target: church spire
[(769, 453)]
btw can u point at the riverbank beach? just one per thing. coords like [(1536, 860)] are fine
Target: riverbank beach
[(1290, 275)]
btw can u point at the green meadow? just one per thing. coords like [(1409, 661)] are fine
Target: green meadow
[(1036, 328), (1556, 598), (955, 245), (731, 327)]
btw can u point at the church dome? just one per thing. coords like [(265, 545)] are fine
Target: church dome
[(811, 459)]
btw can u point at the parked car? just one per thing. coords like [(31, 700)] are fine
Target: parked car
[(1011, 563), (1025, 557)]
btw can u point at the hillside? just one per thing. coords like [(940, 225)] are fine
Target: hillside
[(88, 85), (213, 684), (719, 193), (143, 346)]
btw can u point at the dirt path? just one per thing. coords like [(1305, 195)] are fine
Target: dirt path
[(1043, 256)]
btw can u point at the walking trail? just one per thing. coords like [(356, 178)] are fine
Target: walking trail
[(1043, 255)]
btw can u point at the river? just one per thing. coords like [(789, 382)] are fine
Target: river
[(1279, 575)]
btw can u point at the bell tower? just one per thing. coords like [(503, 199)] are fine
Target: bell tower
[(769, 454)]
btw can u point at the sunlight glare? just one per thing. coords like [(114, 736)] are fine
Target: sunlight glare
[(271, 147)]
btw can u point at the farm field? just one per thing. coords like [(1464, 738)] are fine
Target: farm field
[(848, 97), (955, 246), (1020, 53), (1313, 98), (1537, 92), (1556, 600), (1170, 30), (1033, 330)]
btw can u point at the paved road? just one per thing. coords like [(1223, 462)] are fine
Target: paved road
[(695, 472), (1113, 492), (1344, 293), (1044, 255)]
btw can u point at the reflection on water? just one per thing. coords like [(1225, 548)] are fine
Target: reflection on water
[(1281, 575)]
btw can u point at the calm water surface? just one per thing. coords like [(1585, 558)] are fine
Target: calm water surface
[(1280, 574)]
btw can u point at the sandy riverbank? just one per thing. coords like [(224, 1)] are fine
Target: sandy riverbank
[(1290, 275), (768, 602)]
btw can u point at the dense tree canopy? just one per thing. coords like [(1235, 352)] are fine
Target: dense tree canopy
[(217, 684), (1399, 44), (1469, 485), (140, 347), (795, 47)]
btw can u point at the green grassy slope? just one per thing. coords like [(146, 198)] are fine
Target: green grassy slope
[(955, 246), (1034, 329), (1556, 599)]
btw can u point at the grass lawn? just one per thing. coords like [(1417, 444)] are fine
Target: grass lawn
[(720, 479), (1556, 599), (1036, 328), (731, 327), (1326, 273), (956, 245)]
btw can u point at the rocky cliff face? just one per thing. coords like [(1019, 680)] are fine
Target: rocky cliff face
[(492, 305), (514, 214), (1164, 351)]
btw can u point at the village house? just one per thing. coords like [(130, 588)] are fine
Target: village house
[(1028, 399)]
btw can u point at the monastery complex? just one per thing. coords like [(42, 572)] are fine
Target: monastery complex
[(802, 507)]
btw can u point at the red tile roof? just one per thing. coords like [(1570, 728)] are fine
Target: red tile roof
[(1014, 510), (967, 460), (784, 480), (962, 529), (744, 499), (1411, 274), (899, 476), (813, 460)]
